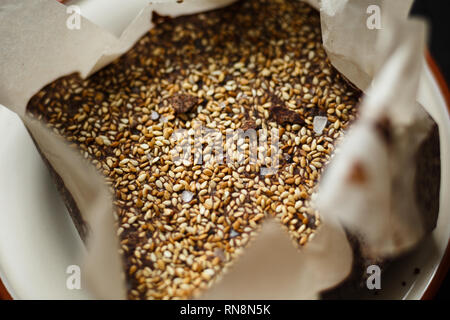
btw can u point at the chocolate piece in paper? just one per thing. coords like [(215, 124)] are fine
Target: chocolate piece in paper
[(87, 66), (211, 67)]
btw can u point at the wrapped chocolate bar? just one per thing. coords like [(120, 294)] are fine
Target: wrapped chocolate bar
[(189, 143)]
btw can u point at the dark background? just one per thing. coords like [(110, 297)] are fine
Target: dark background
[(437, 12)]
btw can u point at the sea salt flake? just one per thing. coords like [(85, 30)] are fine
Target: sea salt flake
[(187, 196), (209, 272), (154, 115), (234, 233), (319, 124)]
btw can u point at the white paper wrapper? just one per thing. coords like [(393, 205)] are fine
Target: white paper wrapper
[(33, 52), (274, 268), (370, 184), (354, 48)]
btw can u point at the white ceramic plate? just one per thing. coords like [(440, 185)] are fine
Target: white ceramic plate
[(38, 240)]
